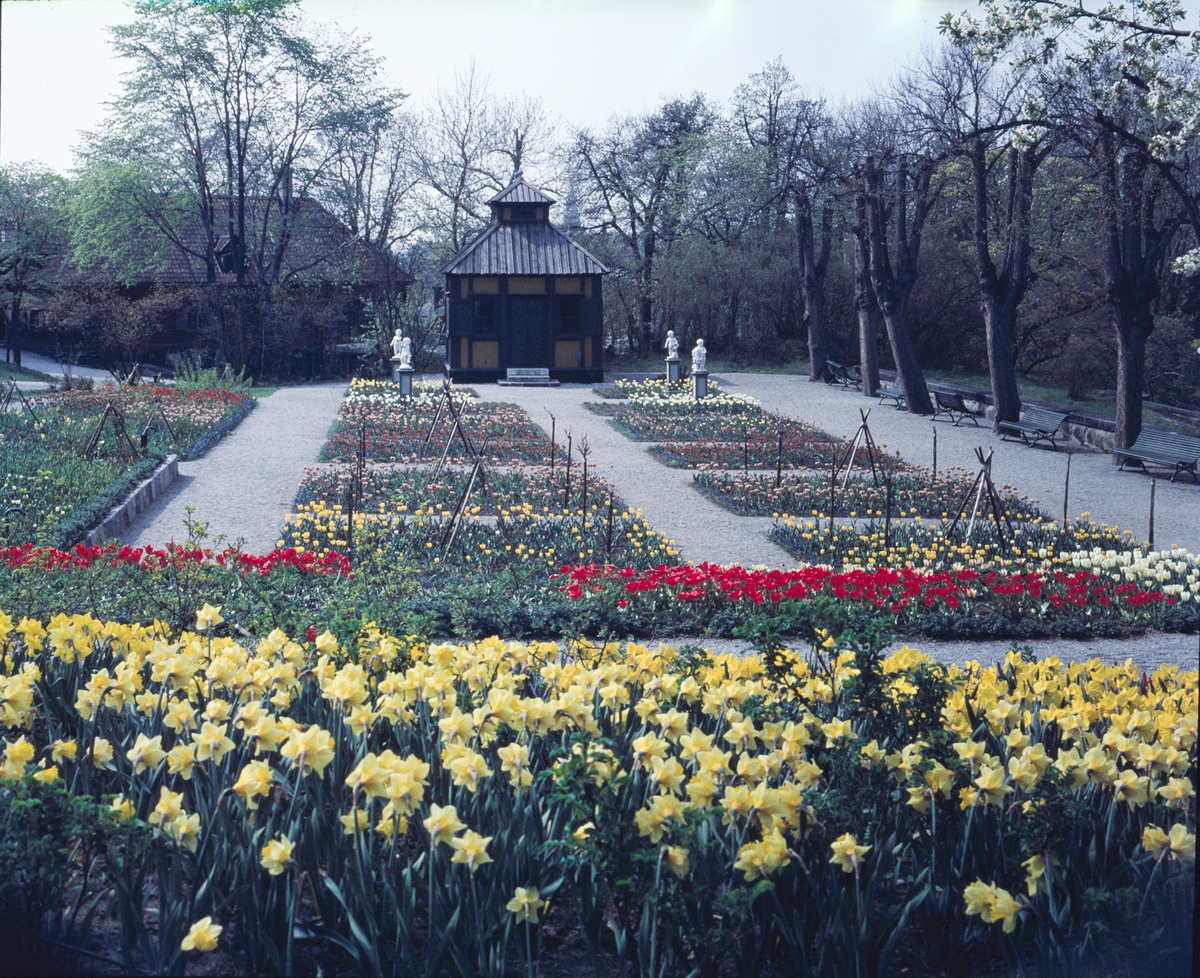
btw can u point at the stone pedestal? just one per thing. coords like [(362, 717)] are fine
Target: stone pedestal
[(674, 371), (700, 384), (402, 376)]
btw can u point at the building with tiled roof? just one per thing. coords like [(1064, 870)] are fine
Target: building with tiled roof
[(523, 294)]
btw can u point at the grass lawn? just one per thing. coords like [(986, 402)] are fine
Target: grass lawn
[(1102, 403), (10, 370)]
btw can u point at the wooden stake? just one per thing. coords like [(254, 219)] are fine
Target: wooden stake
[(1066, 489), (779, 462), (935, 455), (608, 536), (1153, 483), (887, 516), (567, 490)]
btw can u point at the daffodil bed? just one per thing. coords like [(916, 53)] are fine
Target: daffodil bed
[(375, 422), (913, 494), (387, 807), (52, 494)]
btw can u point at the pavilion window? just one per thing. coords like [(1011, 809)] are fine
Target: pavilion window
[(484, 318), (568, 315)]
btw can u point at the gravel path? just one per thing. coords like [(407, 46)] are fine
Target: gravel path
[(700, 528), (245, 485)]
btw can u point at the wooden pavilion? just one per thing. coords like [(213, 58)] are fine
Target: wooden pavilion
[(523, 294)]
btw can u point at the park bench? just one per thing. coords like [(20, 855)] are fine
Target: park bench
[(1180, 452), (895, 393), (527, 377), (953, 407), (1037, 423), (843, 376)]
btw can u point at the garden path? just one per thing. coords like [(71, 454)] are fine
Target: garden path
[(245, 485), (699, 527)]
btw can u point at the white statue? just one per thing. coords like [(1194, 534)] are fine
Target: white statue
[(699, 356), (406, 353), (397, 342), (672, 345)]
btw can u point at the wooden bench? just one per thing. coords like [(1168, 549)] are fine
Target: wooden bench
[(895, 394), (1037, 423), (953, 407), (1180, 452), (841, 375), (527, 377)]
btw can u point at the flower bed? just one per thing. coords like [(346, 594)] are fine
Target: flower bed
[(646, 425), (913, 494), (804, 447), (395, 429), (412, 807), (409, 489), (417, 538), (661, 396), (52, 494), (1059, 587)]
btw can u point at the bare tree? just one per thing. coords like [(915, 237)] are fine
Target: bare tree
[(899, 197), (977, 108), (473, 144), (633, 181)]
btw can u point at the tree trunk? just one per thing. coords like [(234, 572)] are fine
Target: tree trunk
[(893, 289), (812, 275), (1134, 322), (864, 303), (1000, 294), (14, 329)]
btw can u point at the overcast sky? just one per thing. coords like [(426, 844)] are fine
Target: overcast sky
[(586, 59)]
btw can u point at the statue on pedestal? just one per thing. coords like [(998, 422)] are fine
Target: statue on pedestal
[(397, 342), (672, 345), (699, 357), (406, 353)]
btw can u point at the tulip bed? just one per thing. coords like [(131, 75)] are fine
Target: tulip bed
[(395, 429), (1065, 593), (913, 494), (285, 803), (388, 489), (52, 494)]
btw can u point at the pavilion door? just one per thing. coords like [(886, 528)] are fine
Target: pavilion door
[(527, 344)]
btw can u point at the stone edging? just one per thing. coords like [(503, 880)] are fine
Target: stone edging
[(124, 513)]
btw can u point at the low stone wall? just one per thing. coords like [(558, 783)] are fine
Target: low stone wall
[(123, 515)]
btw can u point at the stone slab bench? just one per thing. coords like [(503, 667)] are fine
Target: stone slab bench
[(527, 377)]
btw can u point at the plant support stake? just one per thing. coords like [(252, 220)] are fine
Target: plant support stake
[(1066, 489), (935, 456), (779, 462), (1153, 483), (887, 516)]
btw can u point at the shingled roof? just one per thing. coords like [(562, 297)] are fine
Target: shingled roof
[(321, 249), (520, 192), (522, 247)]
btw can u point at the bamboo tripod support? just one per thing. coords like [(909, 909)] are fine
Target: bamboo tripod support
[(985, 492)]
